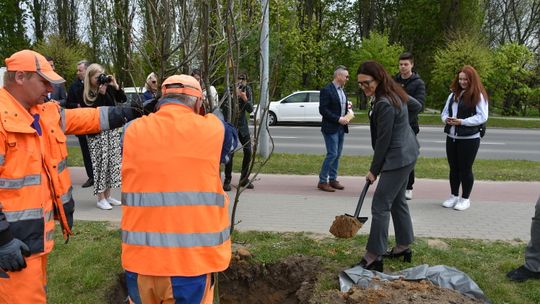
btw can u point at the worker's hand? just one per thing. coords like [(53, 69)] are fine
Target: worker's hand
[(371, 177), (12, 255)]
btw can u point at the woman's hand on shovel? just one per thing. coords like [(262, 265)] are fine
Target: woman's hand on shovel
[(370, 177)]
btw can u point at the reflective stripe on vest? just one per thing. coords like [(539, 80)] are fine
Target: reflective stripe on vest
[(63, 119), (66, 197), (49, 216), (156, 239), (161, 199), (62, 165), (49, 236), (17, 183), (104, 118), (28, 214), (2, 159)]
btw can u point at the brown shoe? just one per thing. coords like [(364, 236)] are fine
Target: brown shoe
[(336, 185), (325, 187)]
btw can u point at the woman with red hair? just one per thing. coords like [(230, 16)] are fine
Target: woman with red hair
[(464, 114)]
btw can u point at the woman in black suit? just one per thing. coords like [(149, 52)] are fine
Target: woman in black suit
[(395, 152)]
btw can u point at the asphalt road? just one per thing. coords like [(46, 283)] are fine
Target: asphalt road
[(497, 144)]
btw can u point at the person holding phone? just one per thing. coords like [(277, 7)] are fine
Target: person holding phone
[(465, 111)]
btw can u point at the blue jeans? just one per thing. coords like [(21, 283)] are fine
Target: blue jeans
[(334, 145)]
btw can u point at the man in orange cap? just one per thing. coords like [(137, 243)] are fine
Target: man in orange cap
[(175, 223), (35, 186)]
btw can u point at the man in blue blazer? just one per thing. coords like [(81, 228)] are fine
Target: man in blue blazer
[(333, 107)]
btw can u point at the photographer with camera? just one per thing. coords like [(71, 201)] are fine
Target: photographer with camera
[(245, 104), (103, 90)]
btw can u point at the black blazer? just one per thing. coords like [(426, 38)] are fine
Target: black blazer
[(330, 109), (394, 143)]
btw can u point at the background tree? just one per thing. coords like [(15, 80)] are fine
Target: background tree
[(65, 55), (12, 32), (66, 18), (39, 9), (464, 49), (510, 85)]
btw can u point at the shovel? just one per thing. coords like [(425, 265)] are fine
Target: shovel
[(346, 226)]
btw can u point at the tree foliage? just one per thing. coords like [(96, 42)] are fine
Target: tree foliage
[(464, 49), (308, 38), (511, 83), (12, 32), (65, 55), (378, 48)]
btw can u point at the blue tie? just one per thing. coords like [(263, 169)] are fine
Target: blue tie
[(35, 124)]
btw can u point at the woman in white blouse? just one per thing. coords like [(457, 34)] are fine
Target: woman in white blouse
[(464, 115)]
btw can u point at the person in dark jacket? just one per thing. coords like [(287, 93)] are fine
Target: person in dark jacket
[(59, 90), (103, 90), (151, 87), (333, 108), (74, 100), (395, 150), (245, 104), (415, 87)]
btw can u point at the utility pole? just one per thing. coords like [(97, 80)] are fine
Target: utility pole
[(264, 70)]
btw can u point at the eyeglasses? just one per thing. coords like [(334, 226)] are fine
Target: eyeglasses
[(241, 78), (365, 83)]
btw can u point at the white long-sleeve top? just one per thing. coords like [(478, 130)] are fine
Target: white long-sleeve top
[(475, 120)]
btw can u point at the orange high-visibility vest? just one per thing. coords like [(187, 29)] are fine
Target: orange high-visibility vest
[(175, 219), (35, 185)]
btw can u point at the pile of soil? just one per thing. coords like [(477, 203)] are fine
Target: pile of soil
[(399, 291)]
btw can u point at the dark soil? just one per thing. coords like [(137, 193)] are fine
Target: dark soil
[(290, 281)]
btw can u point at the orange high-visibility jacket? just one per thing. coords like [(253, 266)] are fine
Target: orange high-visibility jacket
[(35, 185), (175, 219)]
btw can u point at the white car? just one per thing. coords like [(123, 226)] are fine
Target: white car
[(301, 106), (134, 94)]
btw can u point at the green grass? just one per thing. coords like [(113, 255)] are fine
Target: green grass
[(304, 164), (493, 122), (86, 270)]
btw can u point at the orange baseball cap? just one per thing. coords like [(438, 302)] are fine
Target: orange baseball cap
[(181, 84), (30, 61)]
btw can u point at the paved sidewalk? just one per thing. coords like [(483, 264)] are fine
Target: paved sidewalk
[(499, 210)]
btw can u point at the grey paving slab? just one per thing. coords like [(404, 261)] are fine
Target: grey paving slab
[(282, 203)]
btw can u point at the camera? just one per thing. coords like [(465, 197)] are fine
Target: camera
[(104, 79), (242, 87)]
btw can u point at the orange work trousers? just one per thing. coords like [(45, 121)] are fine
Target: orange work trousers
[(28, 285)]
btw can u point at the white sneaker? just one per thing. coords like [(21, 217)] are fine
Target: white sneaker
[(104, 204), (113, 201), (463, 204), (408, 194), (451, 202)]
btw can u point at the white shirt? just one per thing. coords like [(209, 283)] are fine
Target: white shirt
[(479, 118)]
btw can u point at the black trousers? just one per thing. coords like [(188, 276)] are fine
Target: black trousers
[(245, 140), (86, 155), (461, 154)]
